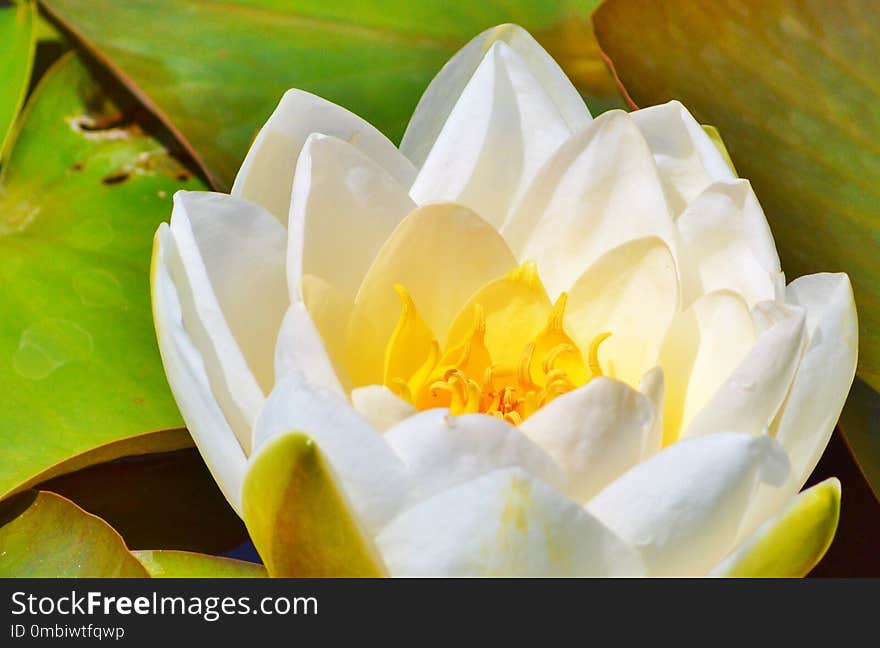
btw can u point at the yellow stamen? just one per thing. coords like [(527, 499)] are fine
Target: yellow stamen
[(466, 377), (524, 371)]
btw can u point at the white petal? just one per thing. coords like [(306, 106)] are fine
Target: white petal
[(599, 190), (826, 370), (300, 348), (686, 156), (503, 524), (501, 130), (380, 406), (344, 206), (596, 433), (614, 295), (266, 175), (820, 386), (444, 91), (243, 250), (750, 398), (726, 239), (442, 451), (189, 382), (226, 261), (683, 506), (703, 346), (368, 470), (653, 385)]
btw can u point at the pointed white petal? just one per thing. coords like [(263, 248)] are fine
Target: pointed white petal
[(826, 370), (599, 190), (596, 433), (189, 381), (242, 251), (266, 175), (501, 130), (503, 524), (726, 239), (226, 261), (683, 506), (369, 471), (444, 91), (344, 206), (686, 156), (820, 386)]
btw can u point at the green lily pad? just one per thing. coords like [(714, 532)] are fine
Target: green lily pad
[(183, 564), (157, 501), (81, 194), (374, 58), (793, 87), (860, 422), (43, 535), (17, 24)]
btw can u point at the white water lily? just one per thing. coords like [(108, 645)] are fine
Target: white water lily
[(527, 343)]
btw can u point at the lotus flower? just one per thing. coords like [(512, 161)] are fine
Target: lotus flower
[(527, 343)]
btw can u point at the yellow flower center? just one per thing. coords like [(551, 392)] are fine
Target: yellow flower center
[(522, 372)]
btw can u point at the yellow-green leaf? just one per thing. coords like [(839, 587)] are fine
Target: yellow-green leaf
[(44, 535), (81, 195), (793, 542), (185, 564), (299, 520), (17, 25)]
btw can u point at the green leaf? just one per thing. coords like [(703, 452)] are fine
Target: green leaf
[(43, 535), (793, 87), (83, 191), (217, 70), (159, 441), (157, 501), (790, 544), (183, 564), (17, 25), (860, 422), (298, 518)]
